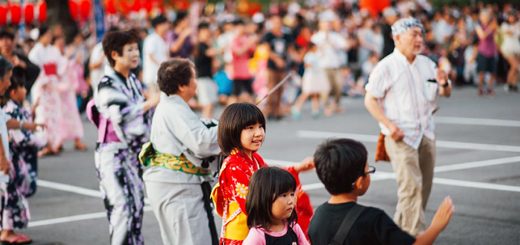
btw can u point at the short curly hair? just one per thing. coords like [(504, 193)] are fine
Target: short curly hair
[(115, 41), (175, 73), (339, 163)]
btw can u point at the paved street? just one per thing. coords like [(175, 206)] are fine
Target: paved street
[(478, 165)]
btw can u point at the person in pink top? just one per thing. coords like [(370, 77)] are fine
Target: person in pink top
[(271, 209), (242, 48)]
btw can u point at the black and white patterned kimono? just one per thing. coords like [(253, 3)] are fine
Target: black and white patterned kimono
[(14, 212), (120, 101), (23, 146)]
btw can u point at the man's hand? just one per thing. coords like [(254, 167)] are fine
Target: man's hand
[(396, 133), (442, 77)]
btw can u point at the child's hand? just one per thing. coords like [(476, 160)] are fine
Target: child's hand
[(306, 165), (443, 215)]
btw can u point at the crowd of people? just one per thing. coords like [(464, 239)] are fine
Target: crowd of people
[(259, 68)]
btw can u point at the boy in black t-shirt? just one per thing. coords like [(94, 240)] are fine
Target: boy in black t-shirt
[(341, 165)]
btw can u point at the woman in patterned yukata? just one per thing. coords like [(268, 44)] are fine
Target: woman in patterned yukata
[(123, 121)]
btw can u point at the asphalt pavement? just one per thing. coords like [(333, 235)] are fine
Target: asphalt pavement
[(478, 165)]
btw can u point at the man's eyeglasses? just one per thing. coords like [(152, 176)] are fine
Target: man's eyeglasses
[(371, 170)]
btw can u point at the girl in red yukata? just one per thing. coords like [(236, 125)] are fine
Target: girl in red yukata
[(241, 132)]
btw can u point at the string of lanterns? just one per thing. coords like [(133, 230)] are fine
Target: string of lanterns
[(13, 12)]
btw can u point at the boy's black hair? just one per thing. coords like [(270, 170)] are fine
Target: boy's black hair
[(42, 30), (233, 120), (115, 41), (265, 186), (17, 81), (239, 22), (5, 34), (180, 17), (339, 163), (203, 25), (158, 20), (174, 73)]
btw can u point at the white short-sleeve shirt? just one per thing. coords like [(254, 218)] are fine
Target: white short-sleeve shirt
[(156, 46), (408, 94), (332, 45)]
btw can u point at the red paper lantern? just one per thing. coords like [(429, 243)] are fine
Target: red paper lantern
[(110, 6), (28, 13), (3, 14), (374, 6), (85, 10), (254, 8), (74, 9), (138, 5), (42, 11), (148, 5), (16, 13)]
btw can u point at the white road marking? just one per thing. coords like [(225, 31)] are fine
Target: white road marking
[(476, 185), (440, 143), (477, 164), (477, 121), (73, 218), (73, 189), (69, 188), (308, 187)]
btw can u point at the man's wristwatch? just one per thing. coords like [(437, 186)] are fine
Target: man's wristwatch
[(445, 85)]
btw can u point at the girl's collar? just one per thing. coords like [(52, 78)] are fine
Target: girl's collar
[(238, 152)]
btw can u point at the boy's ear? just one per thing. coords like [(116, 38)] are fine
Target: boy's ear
[(358, 184)]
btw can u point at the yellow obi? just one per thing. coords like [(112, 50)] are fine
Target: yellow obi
[(235, 226), (149, 157)]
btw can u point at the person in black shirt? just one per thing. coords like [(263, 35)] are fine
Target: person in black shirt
[(23, 67), (280, 45), (341, 165), (390, 17), (206, 89)]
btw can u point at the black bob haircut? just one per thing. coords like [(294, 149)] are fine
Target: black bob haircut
[(265, 186), (5, 67), (174, 73), (115, 41), (233, 120), (5, 34), (339, 163)]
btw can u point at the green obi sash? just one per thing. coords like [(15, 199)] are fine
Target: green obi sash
[(149, 157)]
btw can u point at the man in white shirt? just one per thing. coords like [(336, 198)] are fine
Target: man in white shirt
[(332, 45), (97, 64), (155, 51), (402, 94)]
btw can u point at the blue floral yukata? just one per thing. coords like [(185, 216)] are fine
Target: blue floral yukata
[(14, 206), (123, 127), (23, 146)]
